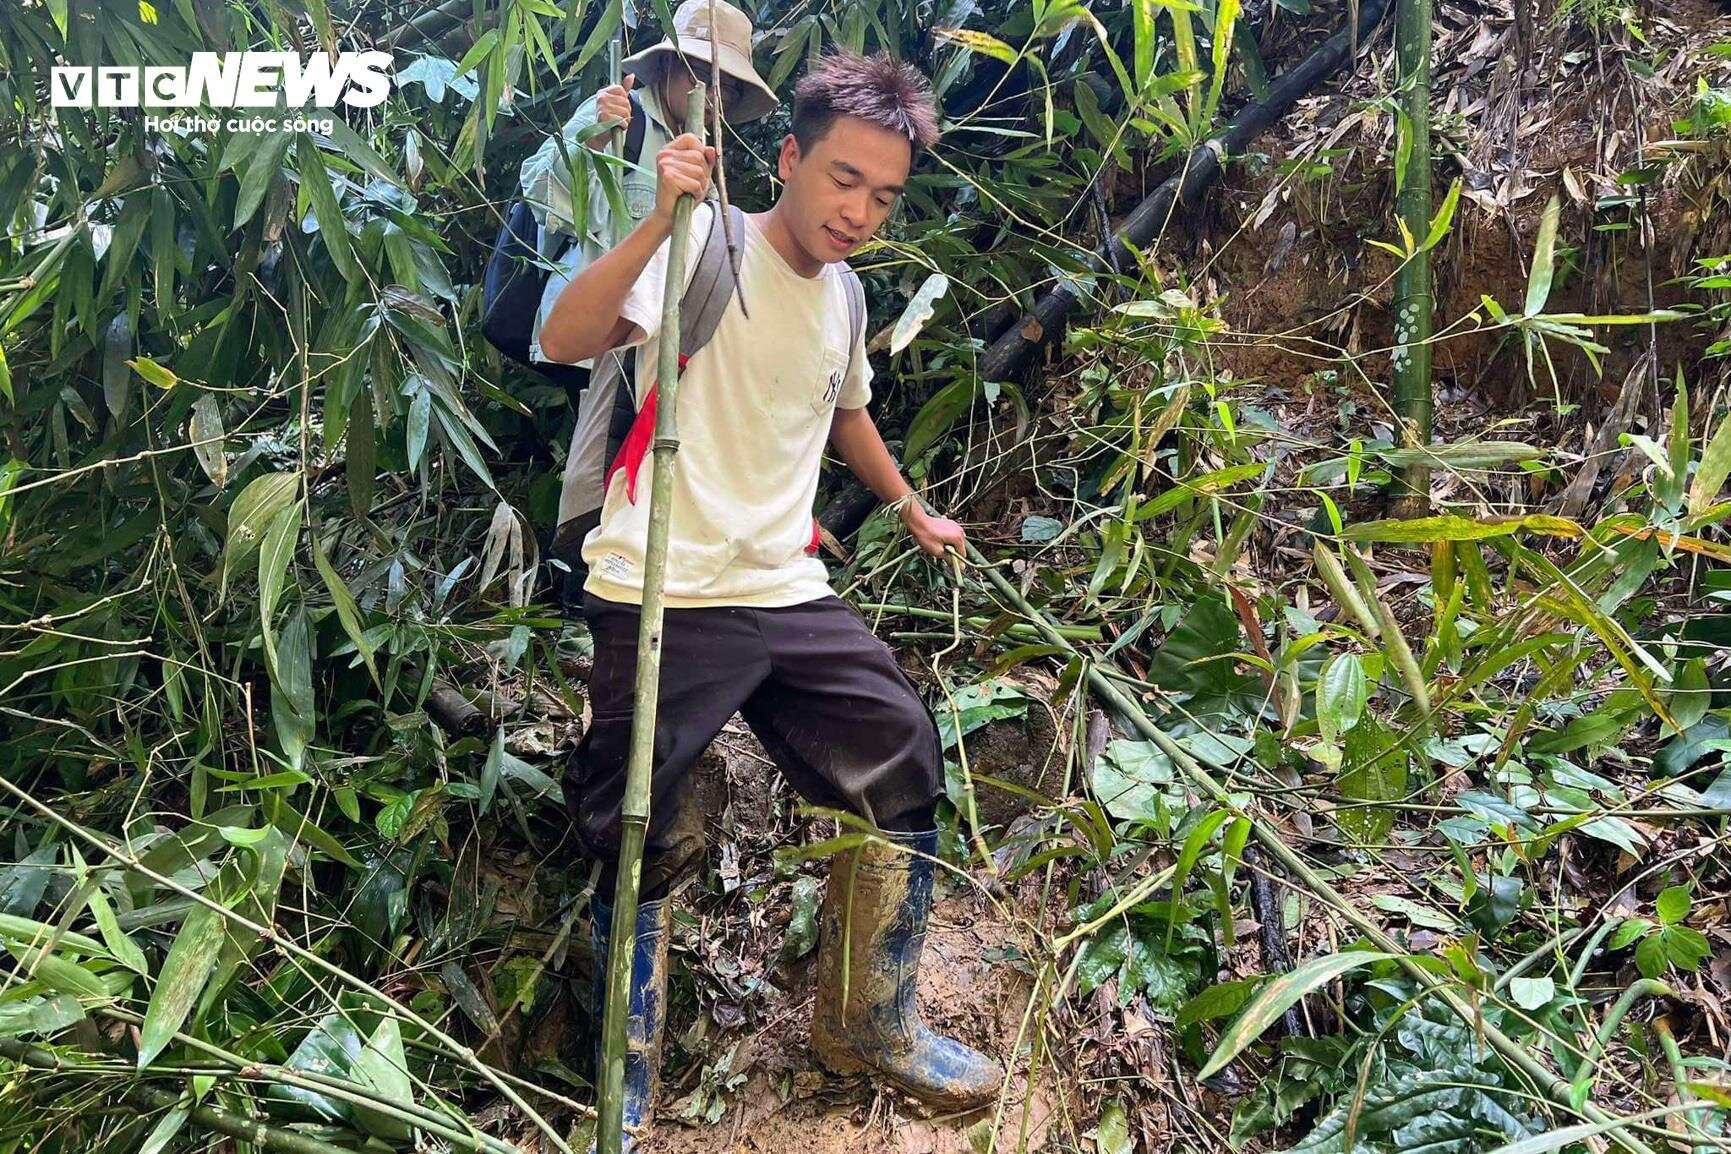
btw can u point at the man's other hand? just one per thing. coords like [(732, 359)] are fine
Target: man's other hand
[(933, 533)]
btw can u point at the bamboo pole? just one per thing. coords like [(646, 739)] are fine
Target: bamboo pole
[(616, 139), (1412, 281), (1549, 1082), (634, 812), (719, 113), (252, 1131)]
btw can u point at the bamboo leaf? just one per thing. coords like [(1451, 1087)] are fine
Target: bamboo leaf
[(1668, 486), (251, 516), (490, 770), (116, 351), (360, 468), (1566, 1138), (168, 1126), (291, 822), (936, 416), (982, 43), (124, 949), (162, 249), (1225, 18), (1544, 259), (263, 167), (207, 434), (1146, 37), (348, 613), (1449, 527), (1710, 474), (1274, 998), (420, 418), (291, 698), (382, 1067), (918, 312), (1653, 316), (1465, 455), (1194, 845), (1444, 218), (153, 373), (273, 565), (1208, 483), (58, 973), (327, 210), (31, 932), (184, 972)]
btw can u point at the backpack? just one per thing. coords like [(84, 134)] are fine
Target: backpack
[(613, 433), (516, 276)]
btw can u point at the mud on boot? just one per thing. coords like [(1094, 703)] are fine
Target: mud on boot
[(648, 1017), (866, 1014)]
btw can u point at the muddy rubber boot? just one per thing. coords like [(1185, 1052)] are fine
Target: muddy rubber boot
[(643, 1028), (875, 1026)]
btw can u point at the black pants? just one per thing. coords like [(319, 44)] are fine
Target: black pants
[(821, 693)]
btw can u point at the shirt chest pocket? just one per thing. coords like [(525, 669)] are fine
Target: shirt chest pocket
[(832, 375), (639, 194)]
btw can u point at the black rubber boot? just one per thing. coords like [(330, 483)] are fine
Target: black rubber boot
[(644, 1027), (866, 1016)]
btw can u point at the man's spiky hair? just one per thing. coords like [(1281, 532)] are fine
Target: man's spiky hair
[(875, 89)]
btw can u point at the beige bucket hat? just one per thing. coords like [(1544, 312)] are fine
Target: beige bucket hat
[(727, 45)]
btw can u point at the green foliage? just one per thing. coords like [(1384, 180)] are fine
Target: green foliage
[(1423, 1080), (1664, 942)]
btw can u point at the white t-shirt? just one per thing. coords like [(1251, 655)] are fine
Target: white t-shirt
[(754, 412)]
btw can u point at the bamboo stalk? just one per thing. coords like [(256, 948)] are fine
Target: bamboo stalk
[(616, 139), (1412, 281), (719, 114), (1553, 1086), (248, 1130), (634, 811), (1018, 629), (442, 1125)]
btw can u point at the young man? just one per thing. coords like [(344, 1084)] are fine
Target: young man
[(752, 625)]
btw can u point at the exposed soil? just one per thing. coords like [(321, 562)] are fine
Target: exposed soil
[(1287, 247)]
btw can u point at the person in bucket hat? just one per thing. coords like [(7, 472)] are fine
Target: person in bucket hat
[(727, 44), (660, 76)]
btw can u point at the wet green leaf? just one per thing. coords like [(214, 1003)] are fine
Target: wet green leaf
[(206, 432), (1341, 693), (801, 934), (1532, 993), (1276, 995), (1672, 905), (383, 1068)]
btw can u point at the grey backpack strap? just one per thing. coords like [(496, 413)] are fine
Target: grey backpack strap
[(711, 286), (856, 313)]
